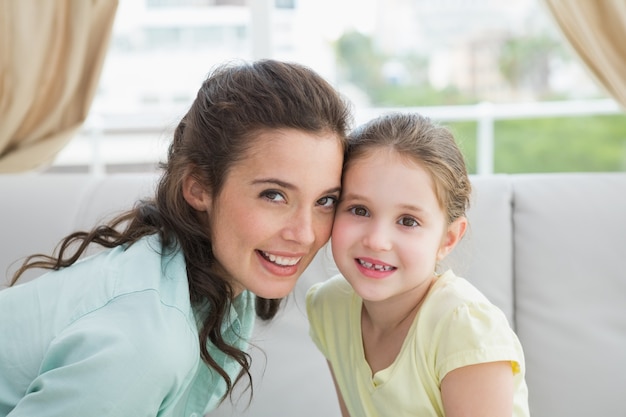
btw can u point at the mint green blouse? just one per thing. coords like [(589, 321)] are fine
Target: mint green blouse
[(112, 335)]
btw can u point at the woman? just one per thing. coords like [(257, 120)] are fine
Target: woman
[(158, 324)]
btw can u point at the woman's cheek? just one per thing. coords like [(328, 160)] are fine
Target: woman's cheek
[(324, 229)]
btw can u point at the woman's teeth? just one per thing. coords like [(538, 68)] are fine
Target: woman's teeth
[(281, 260)]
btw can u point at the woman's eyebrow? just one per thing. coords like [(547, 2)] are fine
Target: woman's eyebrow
[(333, 190), (289, 186)]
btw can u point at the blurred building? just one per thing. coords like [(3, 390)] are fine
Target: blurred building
[(463, 41), (161, 50)]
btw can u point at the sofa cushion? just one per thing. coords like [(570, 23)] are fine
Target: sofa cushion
[(485, 254), (570, 237), (39, 210)]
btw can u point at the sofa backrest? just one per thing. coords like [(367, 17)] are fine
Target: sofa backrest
[(570, 291), (37, 211)]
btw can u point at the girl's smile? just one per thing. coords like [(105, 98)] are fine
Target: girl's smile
[(389, 228), (373, 268)]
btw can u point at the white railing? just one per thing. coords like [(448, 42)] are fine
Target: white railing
[(136, 139), (485, 114)]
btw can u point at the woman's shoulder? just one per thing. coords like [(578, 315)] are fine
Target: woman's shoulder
[(130, 271), (135, 289)]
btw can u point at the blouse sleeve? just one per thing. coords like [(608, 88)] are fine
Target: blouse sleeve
[(476, 333), (110, 363), (314, 311)]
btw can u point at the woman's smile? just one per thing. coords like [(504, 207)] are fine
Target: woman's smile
[(281, 260), (282, 197)]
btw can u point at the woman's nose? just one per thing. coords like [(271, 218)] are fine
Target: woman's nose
[(300, 227)]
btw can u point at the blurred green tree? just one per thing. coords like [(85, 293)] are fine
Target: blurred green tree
[(390, 81), (527, 61)]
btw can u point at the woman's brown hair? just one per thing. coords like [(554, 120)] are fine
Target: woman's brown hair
[(234, 104)]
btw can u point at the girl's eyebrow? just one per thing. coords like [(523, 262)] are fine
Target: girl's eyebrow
[(289, 186), (413, 208), (407, 207), (353, 196)]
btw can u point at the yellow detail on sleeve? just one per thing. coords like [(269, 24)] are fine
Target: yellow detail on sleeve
[(515, 367)]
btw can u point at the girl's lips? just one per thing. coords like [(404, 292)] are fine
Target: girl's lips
[(374, 269)]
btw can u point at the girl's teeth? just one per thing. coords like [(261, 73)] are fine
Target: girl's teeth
[(376, 267), (281, 260)]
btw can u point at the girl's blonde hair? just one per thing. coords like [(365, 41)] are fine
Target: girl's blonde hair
[(417, 138)]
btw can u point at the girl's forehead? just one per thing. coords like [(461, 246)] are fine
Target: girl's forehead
[(375, 154)]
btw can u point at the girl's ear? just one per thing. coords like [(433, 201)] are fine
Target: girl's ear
[(452, 236), (196, 195)]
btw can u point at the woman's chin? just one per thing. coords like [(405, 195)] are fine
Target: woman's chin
[(274, 290)]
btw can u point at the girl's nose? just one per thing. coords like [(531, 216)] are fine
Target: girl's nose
[(377, 237)]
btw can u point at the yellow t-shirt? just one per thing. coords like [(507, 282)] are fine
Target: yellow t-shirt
[(456, 326)]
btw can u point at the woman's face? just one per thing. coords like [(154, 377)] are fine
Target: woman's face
[(276, 209)]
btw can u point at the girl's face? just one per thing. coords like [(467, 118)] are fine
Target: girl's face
[(389, 229), (276, 209)]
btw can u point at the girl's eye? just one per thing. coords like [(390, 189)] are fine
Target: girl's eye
[(274, 196), (408, 222), (359, 211), (327, 202)]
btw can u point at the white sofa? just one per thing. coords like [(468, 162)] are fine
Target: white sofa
[(549, 249)]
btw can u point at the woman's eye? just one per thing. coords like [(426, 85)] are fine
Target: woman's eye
[(329, 201), (359, 211), (408, 222), (273, 196)]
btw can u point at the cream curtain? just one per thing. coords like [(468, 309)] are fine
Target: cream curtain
[(597, 31), (51, 56)]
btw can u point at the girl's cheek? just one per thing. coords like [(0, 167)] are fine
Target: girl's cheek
[(342, 230)]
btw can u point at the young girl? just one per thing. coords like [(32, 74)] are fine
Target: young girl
[(400, 338), (158, 323)]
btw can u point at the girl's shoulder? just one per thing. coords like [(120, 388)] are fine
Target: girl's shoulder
[(464, 328), (455, 298), (451, 290), (334, 289)]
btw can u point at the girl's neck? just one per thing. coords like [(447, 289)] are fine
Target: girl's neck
[(381, 317), (385, 325)]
